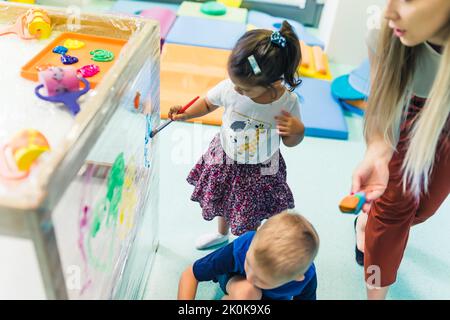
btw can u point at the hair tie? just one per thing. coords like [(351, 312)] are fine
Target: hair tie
[(255, 67), (278, 39)]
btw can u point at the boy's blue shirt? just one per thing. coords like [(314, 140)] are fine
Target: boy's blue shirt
[(231, 259)]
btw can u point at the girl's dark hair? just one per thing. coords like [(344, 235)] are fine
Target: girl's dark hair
[(276, 62)]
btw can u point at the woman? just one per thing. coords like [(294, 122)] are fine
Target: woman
[(406, 169)]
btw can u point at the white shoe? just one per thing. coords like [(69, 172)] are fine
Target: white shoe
[(209, 240)]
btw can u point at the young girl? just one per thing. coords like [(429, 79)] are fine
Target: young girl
[(406, 169), (241, 179)]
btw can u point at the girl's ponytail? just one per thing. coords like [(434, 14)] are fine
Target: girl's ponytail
[(292, 55)]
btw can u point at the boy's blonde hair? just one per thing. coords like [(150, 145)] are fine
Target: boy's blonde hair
[(285, 246)]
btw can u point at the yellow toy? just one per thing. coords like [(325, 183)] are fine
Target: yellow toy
[(314, 63), (27, 146), (24, 1), (38, 23), (231, 3)]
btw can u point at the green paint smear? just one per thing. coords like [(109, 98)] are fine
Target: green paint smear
[(116, 180), (109, 207)]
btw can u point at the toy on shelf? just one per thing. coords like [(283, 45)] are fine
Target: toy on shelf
[(353, 203), (34, 24), (20, 153), (314, 62), (62, 85), (213, 8), (231, 3)]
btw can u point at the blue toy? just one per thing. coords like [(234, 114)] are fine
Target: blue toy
[(69, 99)]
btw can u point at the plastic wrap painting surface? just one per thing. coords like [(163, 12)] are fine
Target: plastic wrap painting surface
[(106, 189), (187, 72), (115, 192)]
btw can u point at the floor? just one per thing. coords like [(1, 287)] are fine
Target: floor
[(319, 174)]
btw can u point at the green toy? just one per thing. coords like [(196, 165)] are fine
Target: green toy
[(213, 8)]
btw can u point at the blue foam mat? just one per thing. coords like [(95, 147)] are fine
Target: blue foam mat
[(201, 32), (266, 21), (321, 113)]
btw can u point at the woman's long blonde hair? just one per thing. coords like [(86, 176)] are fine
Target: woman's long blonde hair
[(389, 96)]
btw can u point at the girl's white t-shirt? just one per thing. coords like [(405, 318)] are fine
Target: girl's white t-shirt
[(248, 134)]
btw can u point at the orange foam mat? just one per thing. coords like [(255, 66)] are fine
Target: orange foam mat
[(187, 72)]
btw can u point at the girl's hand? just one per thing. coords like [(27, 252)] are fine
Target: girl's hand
[(371, 176), (288, 125), (173, 114)]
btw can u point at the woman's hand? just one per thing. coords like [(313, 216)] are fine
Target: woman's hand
[(371, 176), (288, 125), (173, 114)]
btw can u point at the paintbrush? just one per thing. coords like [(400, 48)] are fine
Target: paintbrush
[(165, 124)]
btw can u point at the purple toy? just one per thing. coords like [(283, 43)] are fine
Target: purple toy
[(69, 98)]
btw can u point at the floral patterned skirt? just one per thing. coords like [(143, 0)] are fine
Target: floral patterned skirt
[(244, 194)]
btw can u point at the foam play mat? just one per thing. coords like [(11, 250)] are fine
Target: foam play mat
[(210, 33), (321, 114), (188, 71)]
